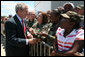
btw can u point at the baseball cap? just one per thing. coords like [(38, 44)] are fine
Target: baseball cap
[(69, 14)]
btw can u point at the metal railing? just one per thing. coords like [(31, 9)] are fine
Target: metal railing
[(40, 49)]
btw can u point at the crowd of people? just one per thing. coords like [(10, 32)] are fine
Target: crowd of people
[(68, 19), (4, 18), (64, 25)]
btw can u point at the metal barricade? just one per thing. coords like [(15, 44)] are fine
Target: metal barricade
[(40, 49)]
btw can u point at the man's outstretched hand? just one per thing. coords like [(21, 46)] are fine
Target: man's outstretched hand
[(33, 40)]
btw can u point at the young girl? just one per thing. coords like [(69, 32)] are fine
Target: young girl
[(69, 37)]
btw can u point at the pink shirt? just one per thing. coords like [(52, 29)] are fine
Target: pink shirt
[(65, 43)]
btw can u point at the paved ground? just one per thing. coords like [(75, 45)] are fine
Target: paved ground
[(2, 51), (2, 46), (2, 41)]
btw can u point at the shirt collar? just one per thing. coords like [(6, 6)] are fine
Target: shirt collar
[(73, 32)]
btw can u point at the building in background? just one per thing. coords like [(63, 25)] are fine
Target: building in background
[(50, 5)]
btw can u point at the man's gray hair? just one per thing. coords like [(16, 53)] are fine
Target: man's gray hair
[(20, 6)]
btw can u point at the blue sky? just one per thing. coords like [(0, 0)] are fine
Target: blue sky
[(8, 7)]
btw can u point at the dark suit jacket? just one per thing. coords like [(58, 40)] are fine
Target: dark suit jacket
[(15, 38)]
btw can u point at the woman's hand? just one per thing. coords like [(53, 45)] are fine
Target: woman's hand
[(43, 34), (29, 35), (31, 31)]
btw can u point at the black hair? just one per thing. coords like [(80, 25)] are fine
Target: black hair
[(77, 21), (57, 13)]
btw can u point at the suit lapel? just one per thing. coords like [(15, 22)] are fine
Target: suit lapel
[(18, 23)]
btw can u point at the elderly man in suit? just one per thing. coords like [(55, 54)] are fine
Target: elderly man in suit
[(16, 36)]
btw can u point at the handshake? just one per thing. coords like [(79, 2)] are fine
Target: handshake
[(33, 41), (40, 36)]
